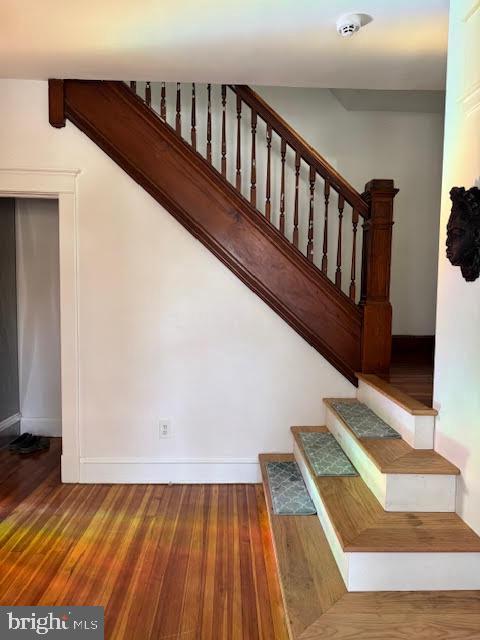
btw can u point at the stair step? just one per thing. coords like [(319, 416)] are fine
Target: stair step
[(401, 477), (414, 421), (309, 577), (383, 550), (288, 490), (317, 604)]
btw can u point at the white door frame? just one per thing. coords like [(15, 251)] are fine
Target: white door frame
[(61, 185)]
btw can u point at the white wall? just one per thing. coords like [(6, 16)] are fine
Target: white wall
[(361, 145), (38, 315), (165, 331), (457, 360)]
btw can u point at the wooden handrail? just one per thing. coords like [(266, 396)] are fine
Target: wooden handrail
[(299, 145)]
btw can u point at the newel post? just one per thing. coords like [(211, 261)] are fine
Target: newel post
[(375, 288)]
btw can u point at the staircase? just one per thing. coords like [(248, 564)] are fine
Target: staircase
[(270, 207), (277, 214), (387, 532)]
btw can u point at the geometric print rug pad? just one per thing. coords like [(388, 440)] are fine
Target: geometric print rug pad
[(325, 455), (362, 421), (287, 488)]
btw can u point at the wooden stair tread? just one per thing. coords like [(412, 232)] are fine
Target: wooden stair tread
[(309, 577), (394, 455), (362, 525), (399, 397), (393, 615)]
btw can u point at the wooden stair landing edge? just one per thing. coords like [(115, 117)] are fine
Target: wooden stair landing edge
[(396, 395), (394, 455), (318, 607), (362, 525)]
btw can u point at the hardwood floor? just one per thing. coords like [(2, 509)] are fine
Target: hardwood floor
[(186, 562), (413, 373)]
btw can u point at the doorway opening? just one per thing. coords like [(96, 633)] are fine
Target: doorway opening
[(30, 384)]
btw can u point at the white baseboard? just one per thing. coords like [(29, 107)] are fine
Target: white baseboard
[(162, 471), (8, 422), (42, 426)]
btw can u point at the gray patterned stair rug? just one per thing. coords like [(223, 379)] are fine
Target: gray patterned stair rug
[(325, 454), (287, 488), (362, 421)]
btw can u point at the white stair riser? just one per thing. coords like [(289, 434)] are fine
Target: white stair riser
[(395, 492), (413, 571), (394, 571), (418, 431)]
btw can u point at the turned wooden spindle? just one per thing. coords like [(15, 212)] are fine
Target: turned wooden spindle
[(178, 115), (253, 166), (268, 186), (352, 292), (194, 119), (224, 130), (338, 272), (163, 103), (133, 85), (209, 123), (148, 94), (283, 152), (238, 174), (295, 205), (311, 210), (326, 193)]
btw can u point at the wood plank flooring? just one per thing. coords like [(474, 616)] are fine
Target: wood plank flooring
[(183, 562)]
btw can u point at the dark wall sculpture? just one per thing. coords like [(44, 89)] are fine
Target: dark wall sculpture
[(463, 231)]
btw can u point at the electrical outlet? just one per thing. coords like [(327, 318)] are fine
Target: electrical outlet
[(165, 429)]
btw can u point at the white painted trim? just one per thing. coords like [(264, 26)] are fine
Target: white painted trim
[(164, 470), (417, 430), (42, 426), (61, 184), (395, 491), (4, 424)]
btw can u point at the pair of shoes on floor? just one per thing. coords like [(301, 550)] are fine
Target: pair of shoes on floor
[(28, 443)]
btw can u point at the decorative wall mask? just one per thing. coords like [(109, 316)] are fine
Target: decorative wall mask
[(463, 231)]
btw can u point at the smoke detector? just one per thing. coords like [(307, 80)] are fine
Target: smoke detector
[(347, 26)]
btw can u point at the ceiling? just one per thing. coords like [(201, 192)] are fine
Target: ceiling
[(269, 42)]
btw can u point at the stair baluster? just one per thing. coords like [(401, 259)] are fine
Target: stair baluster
[(338, 272), (283, 151), (311, 210), (238, 175), (178, 115), (295, 206), (209, 123), (253, 166), (326, 192), (268, 186), (194, 119), (148, 94), (224, 130), (352, 291), (163, 104)]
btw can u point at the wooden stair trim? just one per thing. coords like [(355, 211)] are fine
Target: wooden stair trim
[(400, 398), (363, 526), (394, 455), (309, 577), (215, 213), (307, 152)]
